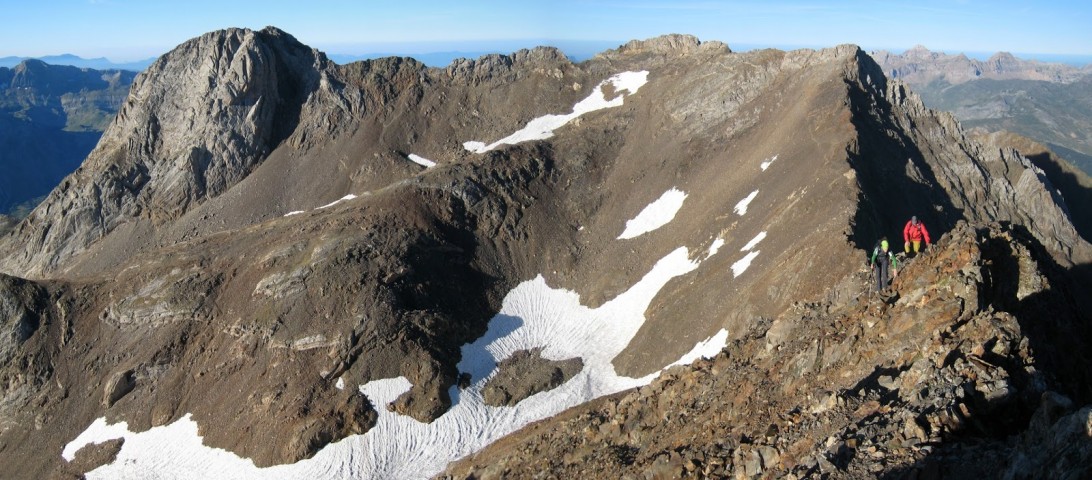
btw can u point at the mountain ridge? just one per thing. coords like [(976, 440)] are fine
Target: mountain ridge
[(306, 251), (1044, 101), (920, 66), (98, 63)]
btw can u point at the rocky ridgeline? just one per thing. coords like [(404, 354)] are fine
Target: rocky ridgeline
[(958, 374)]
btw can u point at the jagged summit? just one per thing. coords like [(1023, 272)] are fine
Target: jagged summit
[(374, 269)]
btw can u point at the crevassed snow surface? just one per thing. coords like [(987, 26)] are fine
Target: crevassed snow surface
[(543, 127), (754, 242), (766, 164), (657, 214), (422, 161), (532, 315), (741, 207)]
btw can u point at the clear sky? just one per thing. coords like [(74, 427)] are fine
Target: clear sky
[(126, 30)]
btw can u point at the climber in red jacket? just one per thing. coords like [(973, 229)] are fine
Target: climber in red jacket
[(912, 233)]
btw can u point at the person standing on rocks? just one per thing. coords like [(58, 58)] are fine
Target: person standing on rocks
[(913, 233), (883, 264)]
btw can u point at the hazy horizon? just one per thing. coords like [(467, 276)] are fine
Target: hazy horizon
[(578, 50), (131, 30)]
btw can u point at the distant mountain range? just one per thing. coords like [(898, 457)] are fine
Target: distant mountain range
[(51, 116), (920, 66), (100, 63), (1049, 102)]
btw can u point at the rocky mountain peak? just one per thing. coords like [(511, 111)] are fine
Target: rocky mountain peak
[(1004, 63), (197, 121), (670, 44), (919, 51)]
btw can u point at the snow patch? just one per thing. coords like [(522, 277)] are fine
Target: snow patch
[(741, 207), (293, 212), (741, 266), (766, 164), (715, 247), (657, 214), (340, 383), (422, 161), (335, 202), (754, 242), (707, 348), (532, 315), (543, 127), (168, 451), (98, 432)]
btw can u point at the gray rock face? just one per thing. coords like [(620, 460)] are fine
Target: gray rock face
[(196, 122), (20, 305)]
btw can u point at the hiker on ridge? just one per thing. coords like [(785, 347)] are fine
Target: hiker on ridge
[(913, 233), (882, 262)]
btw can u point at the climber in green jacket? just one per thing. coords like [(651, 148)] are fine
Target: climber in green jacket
[(883, 261)]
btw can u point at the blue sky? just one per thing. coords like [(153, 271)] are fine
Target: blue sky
[(125, 30)]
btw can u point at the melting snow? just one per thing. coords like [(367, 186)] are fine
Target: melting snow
[(766, 164), (657, 214), (532, 315), (741, 266), (754, 242), (294, 212), (422, 161), (543, 127), (741, 207)]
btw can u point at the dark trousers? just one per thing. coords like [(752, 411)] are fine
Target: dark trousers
[(881, 271)]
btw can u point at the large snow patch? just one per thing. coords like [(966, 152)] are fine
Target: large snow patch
[(532, 315)]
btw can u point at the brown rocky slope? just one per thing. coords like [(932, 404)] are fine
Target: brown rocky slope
[(170, 282), (969, 369)]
